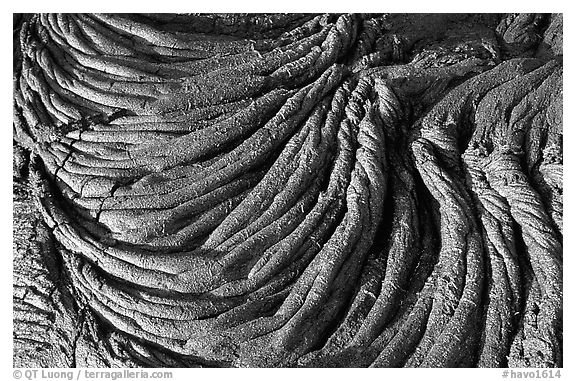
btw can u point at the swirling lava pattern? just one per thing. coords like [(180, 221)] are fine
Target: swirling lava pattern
[(304, 190)]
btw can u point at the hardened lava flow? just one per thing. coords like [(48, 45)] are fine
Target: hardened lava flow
[(287, 190)]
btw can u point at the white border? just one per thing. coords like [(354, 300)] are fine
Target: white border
[(489, 6)]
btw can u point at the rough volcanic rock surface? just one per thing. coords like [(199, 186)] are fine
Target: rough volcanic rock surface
[(288, 190)]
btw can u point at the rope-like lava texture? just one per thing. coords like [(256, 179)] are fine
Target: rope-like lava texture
[(302, 190)]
